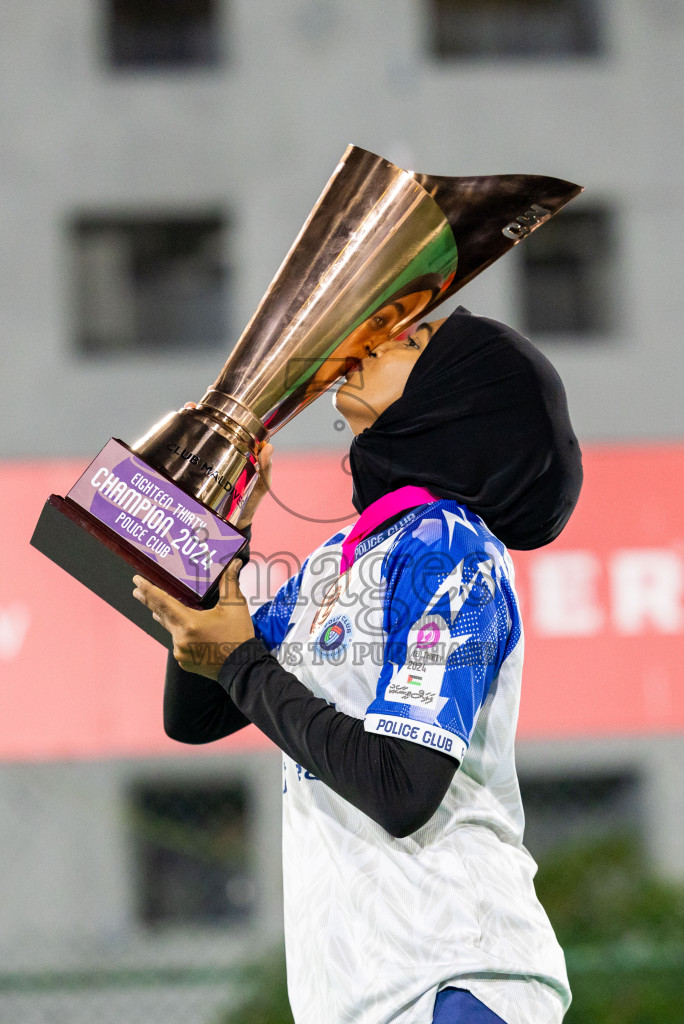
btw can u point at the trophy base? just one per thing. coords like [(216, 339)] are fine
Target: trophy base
[(121, 518), (101, 562)]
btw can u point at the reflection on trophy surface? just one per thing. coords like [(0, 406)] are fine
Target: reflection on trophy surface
[(381, 248), (395, 316)]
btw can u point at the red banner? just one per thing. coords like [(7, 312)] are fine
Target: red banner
[(603, 609)]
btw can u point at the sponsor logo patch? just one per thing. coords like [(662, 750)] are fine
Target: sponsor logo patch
[(428, 635)]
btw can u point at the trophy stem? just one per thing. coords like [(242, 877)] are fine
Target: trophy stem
[(210, 451)]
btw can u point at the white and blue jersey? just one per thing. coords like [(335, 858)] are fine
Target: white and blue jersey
[(421, 638)]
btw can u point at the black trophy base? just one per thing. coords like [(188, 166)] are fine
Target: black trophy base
[(103, 563)]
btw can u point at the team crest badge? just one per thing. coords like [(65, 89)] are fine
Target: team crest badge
[(333, 638)]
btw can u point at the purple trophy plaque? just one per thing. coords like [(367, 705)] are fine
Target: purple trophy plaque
[(123, 516)]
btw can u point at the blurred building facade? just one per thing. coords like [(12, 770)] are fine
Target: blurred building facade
[(235, 150), (155, 171)]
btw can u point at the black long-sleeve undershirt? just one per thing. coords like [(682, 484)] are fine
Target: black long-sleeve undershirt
[(397, 783)]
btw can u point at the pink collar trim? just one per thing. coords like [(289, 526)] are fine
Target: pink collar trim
[(389, 505)]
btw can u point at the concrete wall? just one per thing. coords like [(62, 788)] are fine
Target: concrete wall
[(67, 875), (67, 868), (655, 764), (261, 135)]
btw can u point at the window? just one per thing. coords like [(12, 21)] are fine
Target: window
[(576, 809), (192, 855), (150, 284), (567, 270), (163, 33), (515, 28)]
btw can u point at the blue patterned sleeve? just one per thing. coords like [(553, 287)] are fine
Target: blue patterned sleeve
[(272, 619), (450, 619)]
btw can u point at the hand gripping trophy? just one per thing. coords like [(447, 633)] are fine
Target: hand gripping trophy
[(380, 240)]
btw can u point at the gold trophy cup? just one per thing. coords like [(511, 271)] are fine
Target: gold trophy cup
[(382, 245)]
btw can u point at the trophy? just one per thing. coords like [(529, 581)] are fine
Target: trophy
[(382, 246)]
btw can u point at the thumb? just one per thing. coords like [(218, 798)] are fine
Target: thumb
[(265, 458), (266, 452)]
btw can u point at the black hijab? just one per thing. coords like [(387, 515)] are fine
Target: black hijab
[(483, 419)]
